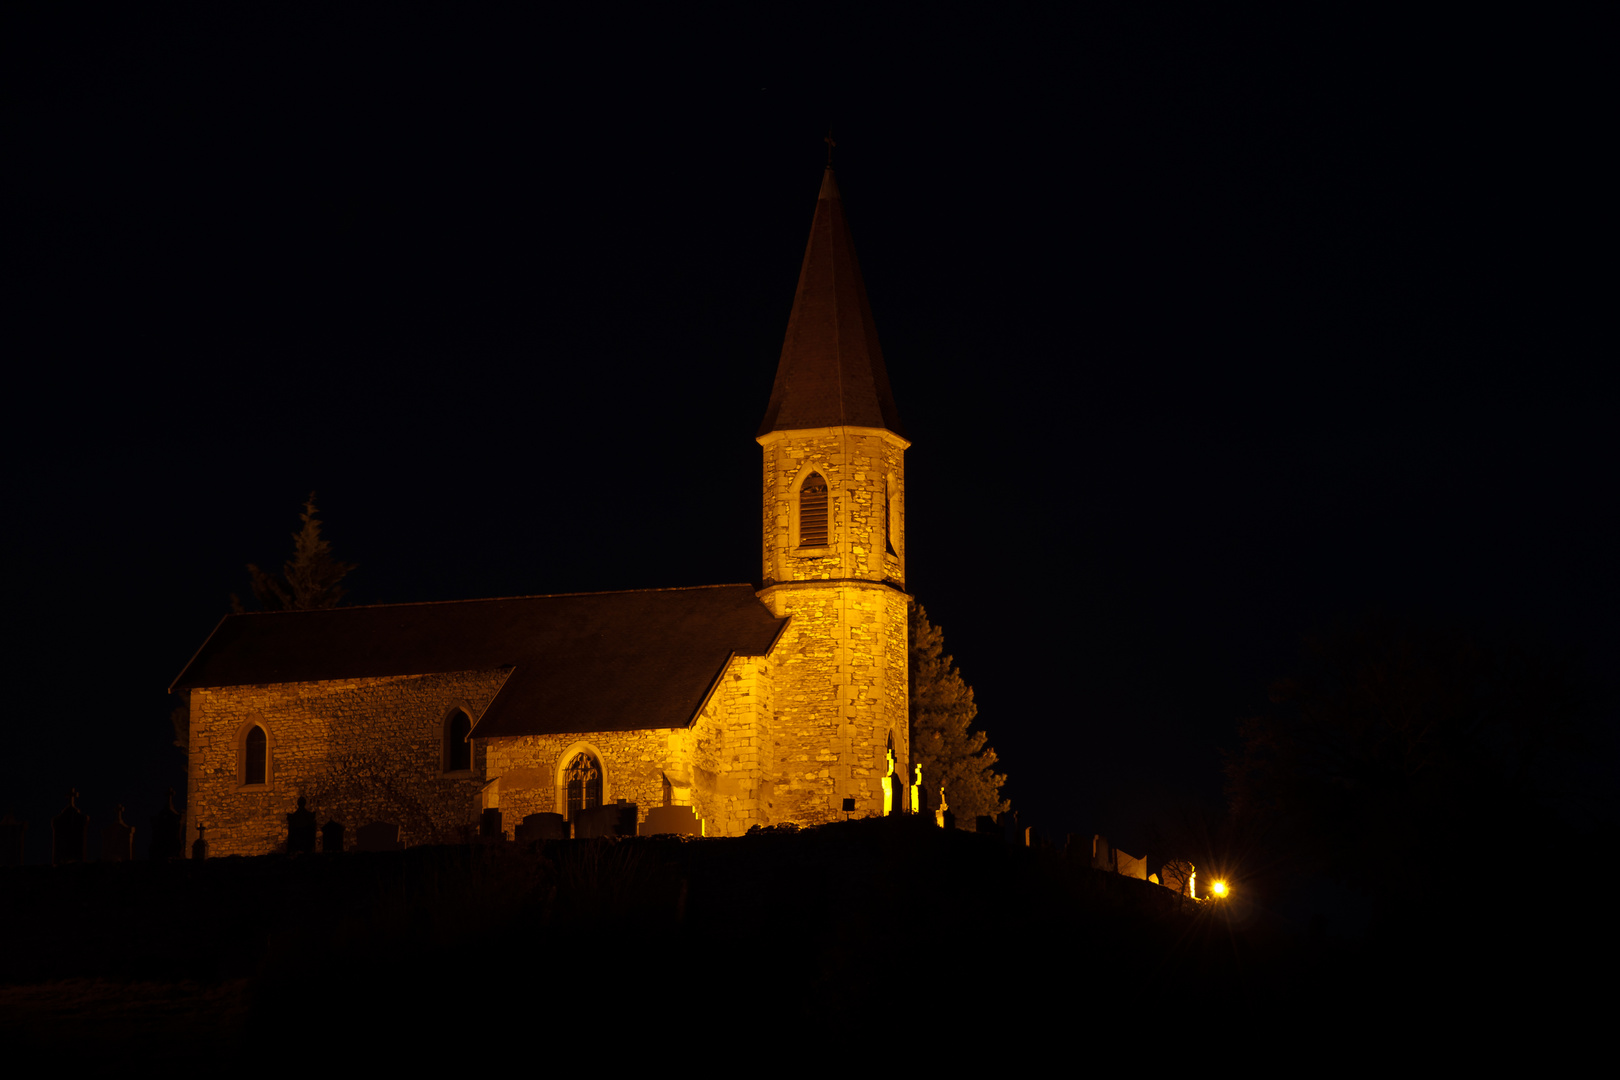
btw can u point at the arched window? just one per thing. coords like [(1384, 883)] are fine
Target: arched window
[(255, 756), (813, 511), (584, 779), (457, 749)]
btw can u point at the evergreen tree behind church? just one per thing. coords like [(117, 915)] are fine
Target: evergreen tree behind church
[(942, 713), (311, 579)]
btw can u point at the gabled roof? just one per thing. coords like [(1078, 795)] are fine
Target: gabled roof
[(831, 373), (618, 661)]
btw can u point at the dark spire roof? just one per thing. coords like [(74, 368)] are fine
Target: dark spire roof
[(831, 372)]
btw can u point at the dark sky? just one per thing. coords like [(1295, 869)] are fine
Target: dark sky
[(1208, 332)]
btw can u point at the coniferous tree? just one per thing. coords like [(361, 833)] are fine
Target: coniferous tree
[(951, 754), (311, 579)]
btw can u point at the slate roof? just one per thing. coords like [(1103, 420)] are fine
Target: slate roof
[(831, 371), (616, 661)]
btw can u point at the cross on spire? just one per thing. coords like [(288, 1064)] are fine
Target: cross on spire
[(828, 139)]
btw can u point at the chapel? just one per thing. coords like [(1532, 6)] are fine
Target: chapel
[(732, 705)]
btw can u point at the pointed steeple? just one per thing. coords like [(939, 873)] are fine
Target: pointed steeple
[(831, 373)]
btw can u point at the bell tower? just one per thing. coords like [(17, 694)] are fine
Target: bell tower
[(834, 540)]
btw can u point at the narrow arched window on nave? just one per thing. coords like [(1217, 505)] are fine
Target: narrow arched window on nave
[(457, 750), (813, 511), (255, 753)]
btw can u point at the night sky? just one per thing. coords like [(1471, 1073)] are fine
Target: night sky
[(1208, 333)]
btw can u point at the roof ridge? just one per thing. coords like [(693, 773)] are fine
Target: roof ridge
[(497, 599)]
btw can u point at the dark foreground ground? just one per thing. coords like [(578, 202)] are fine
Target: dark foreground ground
[(828, 944)]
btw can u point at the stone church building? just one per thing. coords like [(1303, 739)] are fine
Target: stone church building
[(752, 707)]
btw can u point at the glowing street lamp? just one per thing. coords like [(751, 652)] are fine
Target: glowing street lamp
[(1219, 889)]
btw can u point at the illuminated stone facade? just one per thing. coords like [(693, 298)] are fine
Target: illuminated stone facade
[(841, 681), (721, 765), (381, 736), (796, 713)]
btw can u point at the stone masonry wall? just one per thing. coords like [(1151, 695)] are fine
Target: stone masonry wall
[(359, 750), (841, 669), (733, 754), (840, 692), (719, 762), (863, 467)]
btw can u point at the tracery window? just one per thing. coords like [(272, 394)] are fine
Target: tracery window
[(584, 779), (255, 756), (813, 511), (457, 750)]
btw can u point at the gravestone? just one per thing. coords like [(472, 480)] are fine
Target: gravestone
[(118, 840), (67, 832), (624, 817), (301, 830), (489, 825), (168, 833), (917, 806), (1032, 839), (1130, 865), (671, 820), (986, 824), (332, 838), (942, 813), (1010, 832), (379, 836), (1102, 856), (615, 819), (538, 827), (11, 839), (199, 846)]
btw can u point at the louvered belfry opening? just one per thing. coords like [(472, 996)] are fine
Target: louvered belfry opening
[(891, 519), (813, 512)]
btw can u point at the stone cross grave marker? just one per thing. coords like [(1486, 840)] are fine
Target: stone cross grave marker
[(332, 838), (168, 833), (199, 846), (67, 832), (118, 840), (301, 830)]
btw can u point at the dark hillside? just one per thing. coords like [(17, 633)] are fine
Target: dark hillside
[(868, 929)]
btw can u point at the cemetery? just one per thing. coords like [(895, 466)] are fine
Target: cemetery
[(388, 928)]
